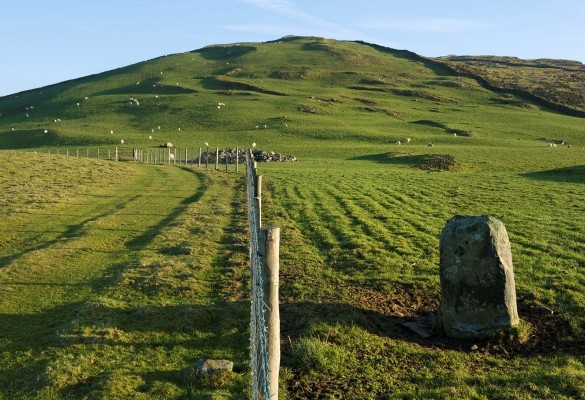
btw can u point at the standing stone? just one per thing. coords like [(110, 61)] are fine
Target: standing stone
[(478, 293)]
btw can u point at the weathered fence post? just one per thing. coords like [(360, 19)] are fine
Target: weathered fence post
[(258, 197), (116, 154), (98, 153), (186, 159), (269, 255), (216, 158), (199, 161), (226, 160), (237, 159)]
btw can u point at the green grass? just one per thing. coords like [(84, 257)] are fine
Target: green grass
[(112, 285), (116, 277)]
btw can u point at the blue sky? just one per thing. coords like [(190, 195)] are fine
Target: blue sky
[(50, 41)]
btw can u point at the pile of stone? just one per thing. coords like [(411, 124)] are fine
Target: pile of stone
[(259, 156), (262, 156)]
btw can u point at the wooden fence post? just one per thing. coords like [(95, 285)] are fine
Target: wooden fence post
[(116, 155), (186, 159), (237, 159), (199, 161), (216, 157), (270, 253)]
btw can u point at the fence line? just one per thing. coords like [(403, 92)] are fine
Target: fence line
[(264, 316), (264, 258), (174, 156)]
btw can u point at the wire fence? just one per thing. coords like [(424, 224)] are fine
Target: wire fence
[(258, 329), (175, 155)]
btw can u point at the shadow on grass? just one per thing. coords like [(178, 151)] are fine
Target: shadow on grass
[(72, 231), (572, 174), (147, 87), (220, 53), (396, 158), (551, 334), (78, 329), (147, 237)]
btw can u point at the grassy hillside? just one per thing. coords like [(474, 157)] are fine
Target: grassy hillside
[(117, 276)]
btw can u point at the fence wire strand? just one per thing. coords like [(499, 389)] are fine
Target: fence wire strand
[(258, 329)]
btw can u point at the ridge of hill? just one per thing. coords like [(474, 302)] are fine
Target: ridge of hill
[(356, 89), (557, 83)]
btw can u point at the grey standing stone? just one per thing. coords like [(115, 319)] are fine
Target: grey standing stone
[(478, 293)]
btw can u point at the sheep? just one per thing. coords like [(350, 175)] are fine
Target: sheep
[(111, 132), (171, 157), (550, 145), (398, 143), (430, 144), (121, 141), (150, 137), (45, 131), (407, 140), (455, 134)]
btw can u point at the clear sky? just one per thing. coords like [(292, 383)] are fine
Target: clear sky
[(50, 41)]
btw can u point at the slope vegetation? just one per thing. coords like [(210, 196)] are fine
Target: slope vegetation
[(117, 277)]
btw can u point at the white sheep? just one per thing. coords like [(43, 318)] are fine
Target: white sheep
[(121, 141), (171, 156), (398, 143), (407, 140), (45, 131), (430, 144)]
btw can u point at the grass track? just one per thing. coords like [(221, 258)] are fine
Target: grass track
[(157, 249)]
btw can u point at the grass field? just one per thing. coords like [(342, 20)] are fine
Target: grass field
[(116, 277)]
